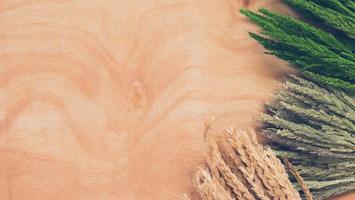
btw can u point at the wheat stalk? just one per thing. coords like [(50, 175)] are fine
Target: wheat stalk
[(238, 167)]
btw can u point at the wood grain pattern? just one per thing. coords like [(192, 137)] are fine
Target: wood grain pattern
[(106, 99)]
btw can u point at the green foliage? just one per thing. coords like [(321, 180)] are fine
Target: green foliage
[(337, 14), (315, 128), (327, 57)]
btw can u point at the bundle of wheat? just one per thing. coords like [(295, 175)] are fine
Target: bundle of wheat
[(314, 127), (240, 168)]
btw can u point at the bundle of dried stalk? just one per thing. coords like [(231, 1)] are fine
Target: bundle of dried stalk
[(240, 168), (314, 127)]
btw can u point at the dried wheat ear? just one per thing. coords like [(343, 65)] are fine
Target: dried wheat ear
[(238, 167)]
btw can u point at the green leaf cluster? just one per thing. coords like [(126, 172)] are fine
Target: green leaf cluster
[(314, 128), (334, 14), (326, 56)]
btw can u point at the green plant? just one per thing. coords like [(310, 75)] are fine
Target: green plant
[(326, 55)]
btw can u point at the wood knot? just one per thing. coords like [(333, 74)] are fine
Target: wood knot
[(137, 95), (246, 3)]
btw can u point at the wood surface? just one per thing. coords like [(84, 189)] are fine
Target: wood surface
[(106, 99)]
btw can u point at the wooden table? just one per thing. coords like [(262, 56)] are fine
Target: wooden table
[(106, 99)]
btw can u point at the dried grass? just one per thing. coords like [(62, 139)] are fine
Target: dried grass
[(240, 168)]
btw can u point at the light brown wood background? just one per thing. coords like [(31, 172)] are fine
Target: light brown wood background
[(106, 99)]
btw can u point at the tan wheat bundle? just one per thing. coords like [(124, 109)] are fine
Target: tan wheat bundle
[(240, 168)]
